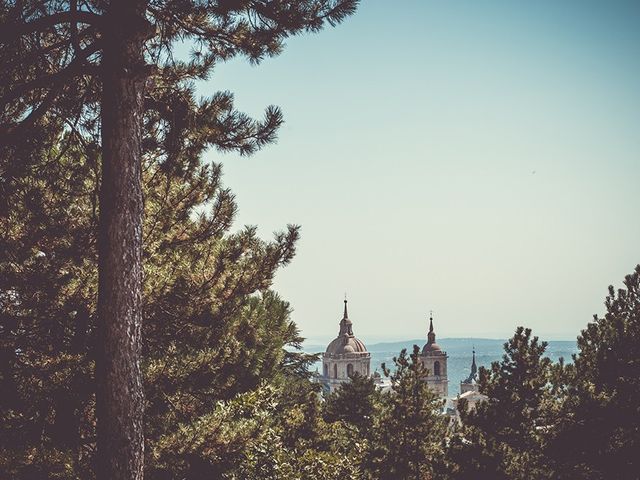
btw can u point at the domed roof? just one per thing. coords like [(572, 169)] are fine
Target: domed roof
[(431, 348), (345, 342)]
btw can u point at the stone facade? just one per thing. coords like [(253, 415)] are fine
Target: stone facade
[(344, 356)]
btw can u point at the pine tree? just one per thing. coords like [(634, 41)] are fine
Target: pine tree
[(107, 72), (213, 329), (597, 422), (502, 437), (355, 404), (410, 426)]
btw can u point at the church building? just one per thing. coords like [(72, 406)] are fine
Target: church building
[(434, 359), (344, 356)]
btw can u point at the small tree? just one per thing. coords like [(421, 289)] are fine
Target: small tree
[(410, 426)]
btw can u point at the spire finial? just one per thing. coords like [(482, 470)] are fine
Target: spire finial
[(345, 323), (345, 305), (431, 336), (474, 367)]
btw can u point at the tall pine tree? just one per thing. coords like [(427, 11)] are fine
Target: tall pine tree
[(212, 327), (107, 72)]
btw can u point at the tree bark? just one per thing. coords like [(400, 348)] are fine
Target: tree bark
[(119, 397)]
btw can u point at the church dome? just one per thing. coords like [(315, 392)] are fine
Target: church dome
[(346, 342), (431, 348)]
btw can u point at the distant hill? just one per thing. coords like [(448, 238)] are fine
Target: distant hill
[(450, 345), (463, 346), (459, 350)]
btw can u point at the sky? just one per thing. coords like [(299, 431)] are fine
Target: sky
[(477, 159)]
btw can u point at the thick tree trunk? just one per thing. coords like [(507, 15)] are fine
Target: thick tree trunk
[(119, 400)]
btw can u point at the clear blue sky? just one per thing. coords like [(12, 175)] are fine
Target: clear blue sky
[(481, 159)]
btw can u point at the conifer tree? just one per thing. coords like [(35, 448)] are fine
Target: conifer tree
[(107, 71), (502, 437), (213, 329), (595, 434), (355, 404), (410, 426)]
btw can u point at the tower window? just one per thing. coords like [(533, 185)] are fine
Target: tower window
[(349, 369), (335, 370), (326, 370), (436, 369)]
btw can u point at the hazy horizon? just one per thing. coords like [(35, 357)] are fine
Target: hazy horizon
[(475, 159), (376, 340)]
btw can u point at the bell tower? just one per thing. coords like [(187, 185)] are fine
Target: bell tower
[(434, 360)]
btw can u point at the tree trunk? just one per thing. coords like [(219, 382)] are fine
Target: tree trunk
[(119, 397)]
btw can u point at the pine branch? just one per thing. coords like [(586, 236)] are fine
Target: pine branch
[(55, 82), (13, 31)]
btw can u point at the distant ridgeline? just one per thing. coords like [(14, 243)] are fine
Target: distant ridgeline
[(459, 351)]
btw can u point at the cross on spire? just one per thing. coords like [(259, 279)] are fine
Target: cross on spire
[(473, 376), (345, 306), (431, 336), (345, 324)]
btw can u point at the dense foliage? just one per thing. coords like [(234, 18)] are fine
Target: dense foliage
[(502, 437), (213, 329), (355, 404), (559, 421), (112, 74), (411, 424), (597, 435)]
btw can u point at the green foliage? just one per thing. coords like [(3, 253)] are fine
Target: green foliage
[(52, 53), (245, 437), (598, 418), (502, 437), (410, 427), (355, 404), (212, 327), (297, 443)]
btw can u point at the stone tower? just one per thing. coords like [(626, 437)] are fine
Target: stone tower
[(344, 356), (435, 361)]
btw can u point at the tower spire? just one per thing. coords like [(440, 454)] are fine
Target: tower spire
[(346, 327), (474, 367), (345, 306), (431, 336)]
